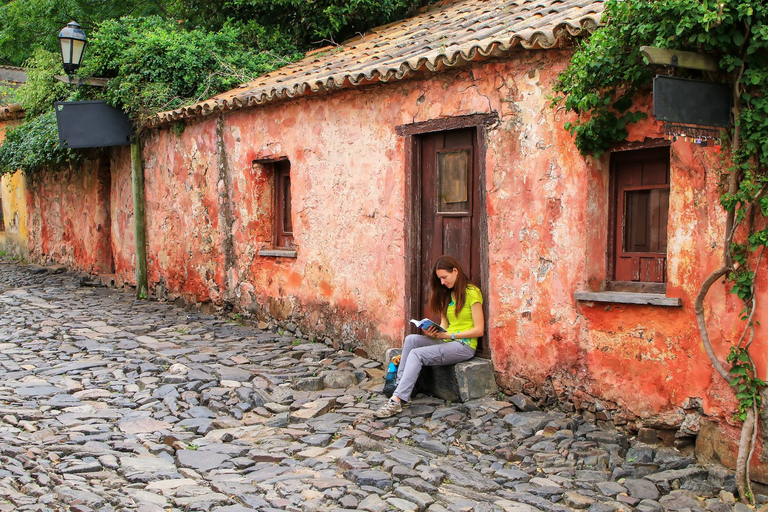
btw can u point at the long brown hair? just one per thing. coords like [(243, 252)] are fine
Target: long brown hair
[(440, 296)]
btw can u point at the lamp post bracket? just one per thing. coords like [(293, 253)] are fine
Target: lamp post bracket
[(679, 59), (95, 82)]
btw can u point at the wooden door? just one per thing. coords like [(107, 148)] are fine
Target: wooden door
[(450, 208)]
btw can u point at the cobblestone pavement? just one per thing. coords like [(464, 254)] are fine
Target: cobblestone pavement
[(107, 404)]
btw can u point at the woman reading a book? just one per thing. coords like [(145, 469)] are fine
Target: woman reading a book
[(460, 305)]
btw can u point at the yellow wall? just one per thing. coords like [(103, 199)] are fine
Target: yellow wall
[(13, 195)]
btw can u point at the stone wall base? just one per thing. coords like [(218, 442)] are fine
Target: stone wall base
[(718, 444)]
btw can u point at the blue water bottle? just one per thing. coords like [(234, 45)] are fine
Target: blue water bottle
[(389, 380)]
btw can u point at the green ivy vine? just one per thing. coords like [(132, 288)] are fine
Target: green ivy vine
[(34, 146), (747, 385)]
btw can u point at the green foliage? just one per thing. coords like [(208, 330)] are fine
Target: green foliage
[(745, 383), (32, 24), (8, 93), (29, 25), (284, 26), (157, 65), (42, 89), (34, 146)]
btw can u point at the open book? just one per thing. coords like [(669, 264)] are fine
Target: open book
[(426, 324)]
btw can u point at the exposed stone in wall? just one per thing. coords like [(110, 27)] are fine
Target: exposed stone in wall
[(345, 329), (717, 443), (678, 427), (225, 215)]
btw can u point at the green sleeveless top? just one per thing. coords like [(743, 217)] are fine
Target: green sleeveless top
[(463, 320)]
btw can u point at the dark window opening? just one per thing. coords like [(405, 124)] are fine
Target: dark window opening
[(639, 215), (283, 221), (2, 220), (645, 227)]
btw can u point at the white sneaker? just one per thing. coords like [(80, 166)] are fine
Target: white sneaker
[(389, 409)]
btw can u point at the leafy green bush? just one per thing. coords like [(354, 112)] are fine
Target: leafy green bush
[(156, 65), (285, 26), (8, 93), (42, 88), (31, 24), (34, 146)]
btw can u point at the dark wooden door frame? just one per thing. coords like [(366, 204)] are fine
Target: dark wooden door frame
[(480, 122)]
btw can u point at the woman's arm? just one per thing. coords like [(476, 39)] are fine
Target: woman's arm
[(478, 320)]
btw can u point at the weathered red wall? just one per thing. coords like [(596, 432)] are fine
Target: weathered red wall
[(70, 217), (209, 211), (122, 232)]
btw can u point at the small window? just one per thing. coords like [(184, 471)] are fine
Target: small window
[(2, 220), (282, 217), (453, 179), (640, 205)]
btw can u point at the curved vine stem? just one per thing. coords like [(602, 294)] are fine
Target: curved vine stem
[(753, 444), (698, 307), (748, 430)]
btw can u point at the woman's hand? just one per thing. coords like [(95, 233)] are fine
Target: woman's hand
[(433, 333)]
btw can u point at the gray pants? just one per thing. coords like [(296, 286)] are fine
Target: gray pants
[(421, 351)]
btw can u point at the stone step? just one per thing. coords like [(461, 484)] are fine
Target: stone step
[(458, 382)]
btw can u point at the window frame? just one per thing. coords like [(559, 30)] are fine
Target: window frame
[(618, 216), (282, 238), (441, 205)]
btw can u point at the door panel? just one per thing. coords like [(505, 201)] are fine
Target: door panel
[(450, 209)]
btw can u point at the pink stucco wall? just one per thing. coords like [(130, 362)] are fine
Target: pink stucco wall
[(209, 212)]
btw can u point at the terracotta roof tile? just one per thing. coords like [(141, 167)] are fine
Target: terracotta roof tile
[(11, 111), (448, 36), (13, 75)]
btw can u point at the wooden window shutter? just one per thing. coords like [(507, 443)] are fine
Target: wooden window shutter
[(640, 211)]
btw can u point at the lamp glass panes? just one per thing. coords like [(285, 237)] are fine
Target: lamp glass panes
[(73, 41)]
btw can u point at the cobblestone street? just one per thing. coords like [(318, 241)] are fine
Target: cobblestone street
[(108, 404)]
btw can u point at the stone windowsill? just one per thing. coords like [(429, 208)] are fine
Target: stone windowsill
[(278, 253), (651, 299)]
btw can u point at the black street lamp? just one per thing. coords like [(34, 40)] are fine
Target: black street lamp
[(94, 124), (73, 41)]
